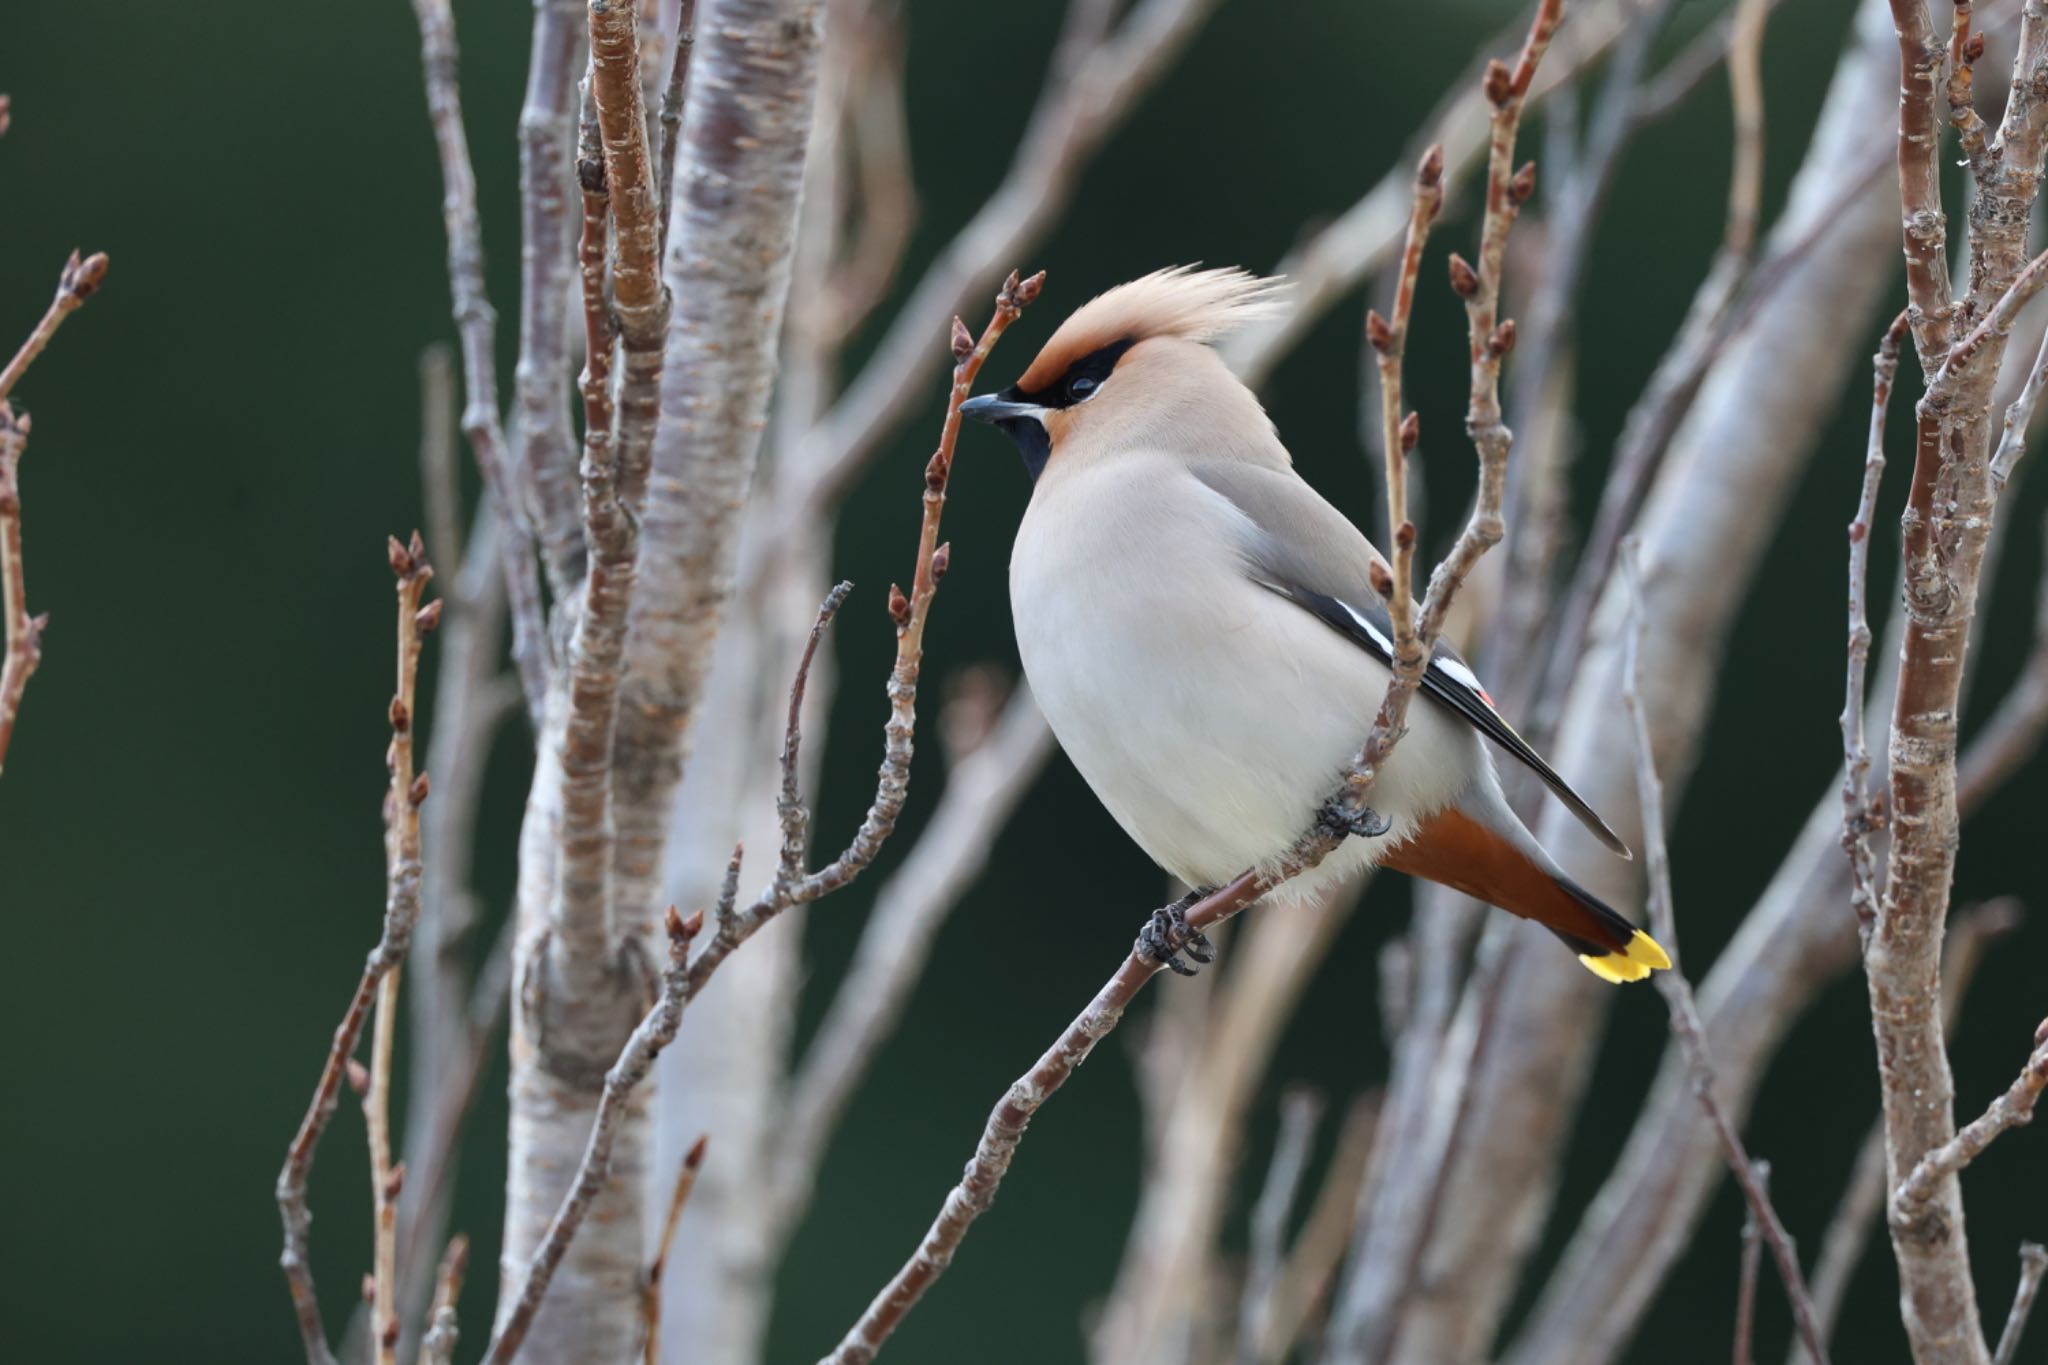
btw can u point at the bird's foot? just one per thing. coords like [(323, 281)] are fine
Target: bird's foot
[(1366, 824), (1168, 934)]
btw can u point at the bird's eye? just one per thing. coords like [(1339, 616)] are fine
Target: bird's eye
[(1079, 387)]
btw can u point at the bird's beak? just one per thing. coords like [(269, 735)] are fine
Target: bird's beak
[(991, 407)]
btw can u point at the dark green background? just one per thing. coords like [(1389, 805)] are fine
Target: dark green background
[(190, 866)]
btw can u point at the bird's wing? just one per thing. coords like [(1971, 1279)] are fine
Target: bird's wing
[(1323, 564)]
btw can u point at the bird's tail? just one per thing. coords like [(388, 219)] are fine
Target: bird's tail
[(1460, 852)]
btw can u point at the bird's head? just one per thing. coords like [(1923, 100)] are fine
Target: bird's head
[(1132, 369)]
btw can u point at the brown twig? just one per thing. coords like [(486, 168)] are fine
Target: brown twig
[(24, 632), (2033, 1263), (402, 870), (1930, 296), (401, 913), (437, 1347), (385, 1181), (686, 1181), (78, 282), (475, 323), (983, 786), (1859, 818), (1388, 338), (1745, 1284), (586, 926), (1489, 343), (1677, 990)]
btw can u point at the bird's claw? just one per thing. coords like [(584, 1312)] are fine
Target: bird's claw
[(1168, 934), (1367, 823)]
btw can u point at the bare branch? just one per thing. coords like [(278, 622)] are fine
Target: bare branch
[(686, 1181), (1931, 298), (438, 1346), (983, 787), (543, 447), (1677, 991), (655, 1032), (385, 1181), (24, 633), (2033, 1263), (402, 801), (1389, 341), (1849, 1230), (2015, 1107), (1745, 1285), (754, 73), (475, 323), (584, 921), (672, 101), (78, 282), (1858, 817)]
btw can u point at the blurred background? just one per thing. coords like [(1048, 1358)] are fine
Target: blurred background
[(190, 841)]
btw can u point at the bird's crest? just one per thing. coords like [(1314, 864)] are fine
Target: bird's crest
[(1180, 301)]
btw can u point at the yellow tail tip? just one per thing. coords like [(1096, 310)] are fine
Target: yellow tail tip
[(1637, 960)]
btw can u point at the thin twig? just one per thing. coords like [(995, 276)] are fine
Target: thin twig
[(438, 1346), (686, 1181), (475, 323), (1400, 430), (1677, 990), (1489, 343), (1859, 819), (24, 633), (2010, 1110), (385, 1181), (983, 787), (2033, 1263), (401, 913), (1745, 1285), (77, 283), (672, 101)]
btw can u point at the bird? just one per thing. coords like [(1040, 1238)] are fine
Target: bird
[(1200, 628)]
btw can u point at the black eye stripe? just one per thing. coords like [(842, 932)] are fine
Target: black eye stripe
[(1095, 367)]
